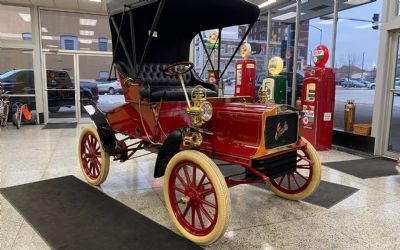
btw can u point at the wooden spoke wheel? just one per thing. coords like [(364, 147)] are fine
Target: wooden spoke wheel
[(94, 161), (304, 180), (197, 197)]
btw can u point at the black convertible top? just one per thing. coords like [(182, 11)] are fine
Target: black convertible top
[(175, 23), (195, 15)]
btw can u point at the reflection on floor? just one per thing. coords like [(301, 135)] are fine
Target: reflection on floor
[(369, 219)]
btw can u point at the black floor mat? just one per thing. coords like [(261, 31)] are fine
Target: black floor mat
[(327, 195), (60, 125), (70, 214), (365, 168)]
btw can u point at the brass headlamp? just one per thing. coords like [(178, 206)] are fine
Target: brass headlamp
[(201, 111)]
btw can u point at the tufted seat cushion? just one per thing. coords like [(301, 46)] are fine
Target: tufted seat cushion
[(153, 75), (160, 86)]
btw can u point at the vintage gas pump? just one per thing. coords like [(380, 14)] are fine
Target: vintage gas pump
[(318, 101), (275, 86), (245, 73)]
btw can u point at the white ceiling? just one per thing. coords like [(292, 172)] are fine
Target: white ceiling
[(78, 5), (311, 8)]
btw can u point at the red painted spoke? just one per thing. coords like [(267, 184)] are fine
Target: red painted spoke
[(206, 202), (288, 177), (186, 210), (180, 190), (200, 218), (194, 177), (193, 214), (301, 175), (205, 212), (187, 175), (281, 180), (295, 180), (97, 169), (304, 158), (303, 165), (207, 192), (97, 161), (181, 180), (202, 180)]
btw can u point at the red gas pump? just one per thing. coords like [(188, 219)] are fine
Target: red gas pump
[(318, 101), (245, 74)]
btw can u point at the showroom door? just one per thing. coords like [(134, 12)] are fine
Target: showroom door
[(393, 126), (60, 87)]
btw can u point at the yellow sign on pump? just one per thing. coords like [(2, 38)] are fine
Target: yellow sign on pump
[(275, 65), (245, 51)]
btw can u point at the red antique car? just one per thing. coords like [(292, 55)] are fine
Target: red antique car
[(169, 109)]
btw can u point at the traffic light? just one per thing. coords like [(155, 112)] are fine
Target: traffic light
[(375, 21)]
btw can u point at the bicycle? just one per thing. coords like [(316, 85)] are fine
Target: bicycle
[(4, 107), (22, 113)]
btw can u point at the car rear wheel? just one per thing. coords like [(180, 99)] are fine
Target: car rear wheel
[(111, 91), (197, 197), (301, 183), (94, 161)]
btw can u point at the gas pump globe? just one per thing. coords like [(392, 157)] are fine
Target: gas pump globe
[(273, 89), (245, 70)]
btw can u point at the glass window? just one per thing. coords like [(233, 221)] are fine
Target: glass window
[(17, 76), (27, 36), (14, 22), (355, 62), (103, 44), (83, 32), (69, 42)]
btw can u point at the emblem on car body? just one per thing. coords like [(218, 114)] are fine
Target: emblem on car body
[(280, 130)]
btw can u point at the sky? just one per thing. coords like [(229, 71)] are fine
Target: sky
[(353, 38)]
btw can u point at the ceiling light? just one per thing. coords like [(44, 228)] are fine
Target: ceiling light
[(86, 41), (52, 46), (356, 2), (96, 1), (266, 3), (85, 48), (87, 22), (286, 16), (288, 7), (25, 17), (86, 33), (44, 30)]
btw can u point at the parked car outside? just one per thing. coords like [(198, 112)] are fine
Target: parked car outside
[(352, 83), (21, 81), (111, 87), (371, 85)]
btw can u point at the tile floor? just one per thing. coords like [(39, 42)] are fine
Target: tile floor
[(369, 219)]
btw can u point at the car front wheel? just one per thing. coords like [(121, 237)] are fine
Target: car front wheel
[(197, 197), (304, 180)]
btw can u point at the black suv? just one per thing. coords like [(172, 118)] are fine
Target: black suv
[(21, 81)]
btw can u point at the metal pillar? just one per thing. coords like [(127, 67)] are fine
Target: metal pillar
[(269, 28), (296, 41), (334, 32)]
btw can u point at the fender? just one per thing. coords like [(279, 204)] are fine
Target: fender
[(107, 136), (170, 148)]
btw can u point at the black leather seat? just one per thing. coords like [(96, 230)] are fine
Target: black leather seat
[(160, 86)]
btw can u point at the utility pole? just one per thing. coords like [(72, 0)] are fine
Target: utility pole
[(362, 66)]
